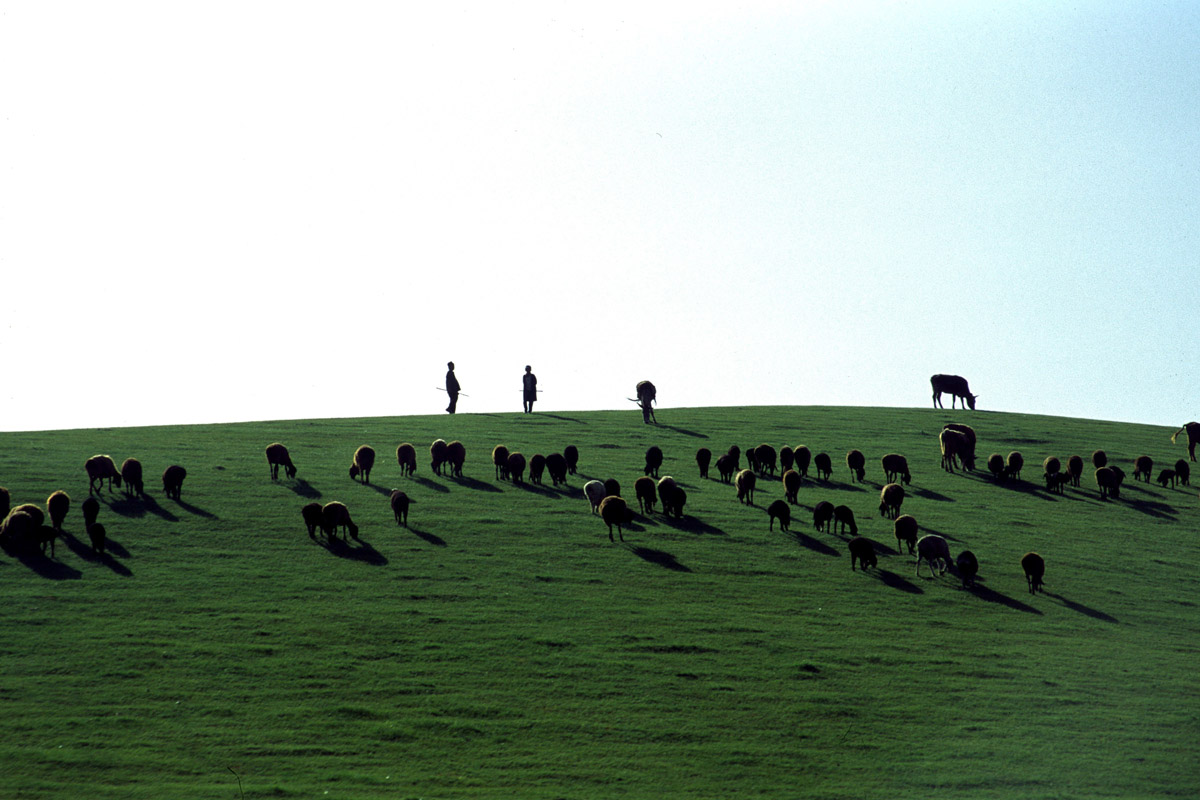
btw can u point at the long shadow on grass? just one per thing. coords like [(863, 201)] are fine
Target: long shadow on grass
[(85, 552), (429, 537), (49, 568), (360, 551), (992, 596), (476, 485), (564, 419), (659, 557), (537, 488), (1154, 509), (195, 510), (684, 431), (689, 524), (894, 581), (1082, 609), (816, 545), (929, 494), (305, 489), (428, 484)]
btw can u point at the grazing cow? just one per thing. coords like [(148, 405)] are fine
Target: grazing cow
[(647, 395), (932, 548), (1035, 569), (1193, 437), (862, 550), (953, 385)]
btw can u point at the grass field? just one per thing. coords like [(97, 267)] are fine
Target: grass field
[(501, 646)]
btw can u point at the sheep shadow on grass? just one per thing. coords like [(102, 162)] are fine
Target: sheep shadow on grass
[(432, 538), (1082, 609), (86, 553), (195, 510), (894, 581), (814, 544), (44, 566), (929, 494), (690, 524), (360, 551), (1154, 509), (428, 484), (476, 485), (305, 489), (659, 557), (992, 596), (684, 431)]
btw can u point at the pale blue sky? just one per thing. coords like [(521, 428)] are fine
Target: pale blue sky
[(228, 211)]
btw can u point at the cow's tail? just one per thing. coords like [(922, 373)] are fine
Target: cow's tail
[(1176, 433)]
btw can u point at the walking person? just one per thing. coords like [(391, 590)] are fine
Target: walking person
[(452, 388), (529, 383)]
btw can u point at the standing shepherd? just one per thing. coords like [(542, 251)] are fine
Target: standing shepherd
[(452, 388), (646, 396), (529, 383)]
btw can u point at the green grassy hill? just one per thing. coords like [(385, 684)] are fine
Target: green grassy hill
[(501, 646)]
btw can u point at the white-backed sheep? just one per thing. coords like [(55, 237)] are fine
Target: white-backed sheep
[(932, 548), (334, 516), (91, 510), (363, 461), (954, 385), (654, 460), (1183, 471), (1015, 462), (1193, 437), (516, 467), (862, 550), (791, 485), (647, 496), (744, 482), (556, 465), (647, 395), (856, 462), (571, 454), (1143, 467), (765, 457), (131, 475), (726, 467), (955, 449), (456, 457), (1165, 477), (437, 456), (537, 465), (278, 456), (99, 469), (703, 459), (844, 516), (968, 568), (779, 510), (1109, 480), (823, 516), (57, 506), (1075, 469), (1034, 567), (895, 468), (906, 529), (802, 457), (891, 497), (824, 466), (172, 480), (98, 536), (406, 457), (500, 459), (399, 502), (613, 511), (594, 491), (311, 513)]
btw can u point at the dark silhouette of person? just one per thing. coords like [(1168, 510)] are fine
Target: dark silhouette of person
[(452, 388), (529, 382)]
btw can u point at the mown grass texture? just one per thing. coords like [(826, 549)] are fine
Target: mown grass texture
[(501, 646)]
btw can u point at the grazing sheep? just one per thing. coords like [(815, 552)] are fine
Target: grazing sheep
[(703, 459), (278, 456), (39, 516), (1193, 437), (824, 465), (556, 465), (677, 502), (399, 502), (745, 486), (516, 467), (1143, 466), (98, 537), (647, 395), (654, 459), (891, 497), (895, 468), (456, 456), (594, 491), (862, 550), (857, 464), (823, 516), (752, 458), (500, 459), (995, 465), (57, 506), (437, 456), (100, 469), (843, 516), (131, 475), (19, 527), (791, 485), (335, 515), (906, 531), (646, 494), (1015, 462), (968, 568), (91, 510), (955, 449), (406, 457), (803, 457), (44, 537), (1165, 477), (5, 502), (1075, 469), (670, 495), (933, 548), (1035, 569), (1099, 459), (612, 487), (364, 459), (764, 457), (954, 385), (967, 431), (613, 511), (312, 518), (1109, 480), (779, 510), (537, 465), (571, 454), (1055, 481), (735, 453), (787, 457), (726, 467), (172, 479), (1051, 465), (1183, 471)]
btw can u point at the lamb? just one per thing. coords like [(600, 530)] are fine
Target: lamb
[(787, 457), (131, 475), (516, 467), (726, 467), (954, 385), (571, 454), (779, 510), (1035, 569), (647, 395), (891, 497), (764, 456), (824, 465), (703, 459), (1143, 466), (1183, 471), (364, 459), (895, 468), (646, 494), (823, 516), (995, 465), (791, 486), (956, 448), (843, 516), (594, 491), (100, 469), (1015, 462), (57, 505), (613, 511), (312, 518), (862, 550), (399, 502), (98, 537), (1109, 480), (654, 459), (1099, 459), (857, 464), (1165, 477), (932, 548), (278, 456), (44, 537), (556, 465), (1055, 481), (437, 456), (500, 459), (90, 509), (672, 497), (335, 515), (537, 465), (803, 457), (172, 480), (406, 457), (745, 486), (906, 531), (1075, 469), (456, 456), (968, 568), (1193, 437)]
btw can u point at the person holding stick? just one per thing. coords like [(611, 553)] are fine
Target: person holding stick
[(452, 388), (529, 384)]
